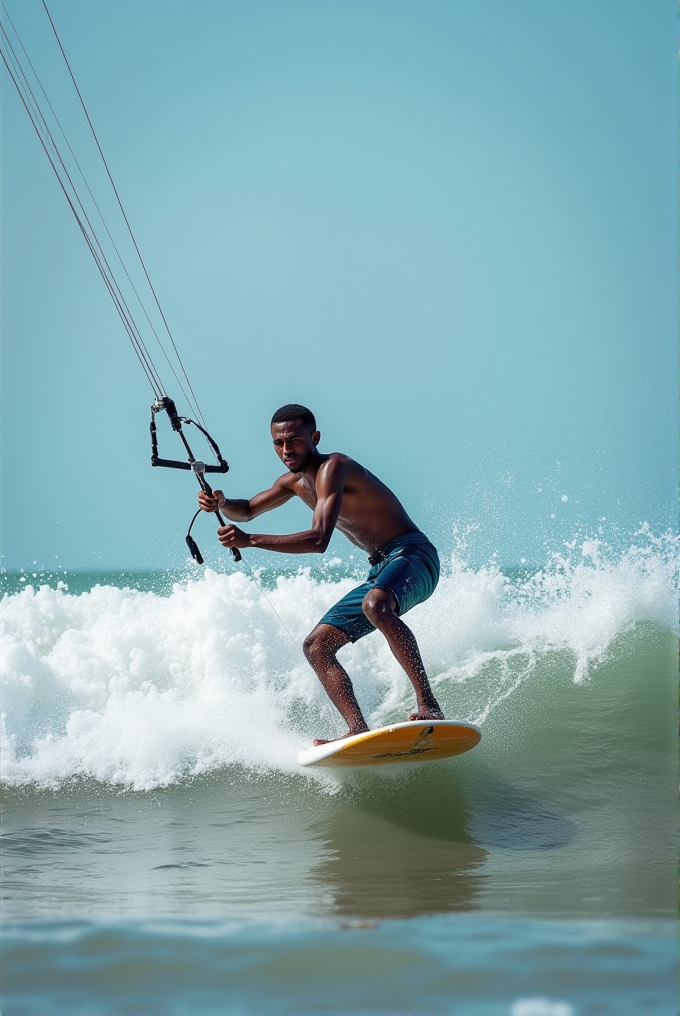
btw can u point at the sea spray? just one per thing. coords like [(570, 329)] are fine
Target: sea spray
[(140, 689)]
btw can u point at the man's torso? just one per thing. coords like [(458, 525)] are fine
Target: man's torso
[(370, 514)]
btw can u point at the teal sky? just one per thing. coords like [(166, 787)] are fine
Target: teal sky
[(447, 227)]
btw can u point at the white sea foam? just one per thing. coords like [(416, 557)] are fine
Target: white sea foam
[(540, 1007), (139, 689)]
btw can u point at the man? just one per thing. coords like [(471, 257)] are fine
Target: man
[(404, 564)]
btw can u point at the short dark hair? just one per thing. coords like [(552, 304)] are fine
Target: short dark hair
[(286, 414)]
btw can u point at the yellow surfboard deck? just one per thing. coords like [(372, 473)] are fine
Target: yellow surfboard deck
[(413, 741)]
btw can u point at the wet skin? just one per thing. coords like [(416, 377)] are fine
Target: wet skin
[(344, 495)]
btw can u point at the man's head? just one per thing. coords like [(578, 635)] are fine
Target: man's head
[(295, 436)]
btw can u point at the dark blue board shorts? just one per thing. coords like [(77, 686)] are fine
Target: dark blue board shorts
[(408, 567)]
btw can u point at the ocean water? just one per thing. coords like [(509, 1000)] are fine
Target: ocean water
[(162, 852)]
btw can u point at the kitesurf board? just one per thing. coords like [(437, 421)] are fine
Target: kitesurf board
[(413, 741)]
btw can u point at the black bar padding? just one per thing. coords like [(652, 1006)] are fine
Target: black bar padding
[(155, 461)]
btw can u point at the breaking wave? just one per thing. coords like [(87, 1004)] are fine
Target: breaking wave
[(142, 689)]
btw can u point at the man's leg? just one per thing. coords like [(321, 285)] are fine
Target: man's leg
[(379, 606), (320, 648)]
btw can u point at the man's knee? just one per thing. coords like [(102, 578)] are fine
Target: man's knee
[(379, 604), (312, 645), (322, 643)]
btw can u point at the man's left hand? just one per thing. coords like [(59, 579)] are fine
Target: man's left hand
[(232, 536)]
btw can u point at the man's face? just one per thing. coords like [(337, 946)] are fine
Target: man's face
[(294, 444)]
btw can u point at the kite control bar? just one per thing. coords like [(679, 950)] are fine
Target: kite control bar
[(198, 468), (169, 406)]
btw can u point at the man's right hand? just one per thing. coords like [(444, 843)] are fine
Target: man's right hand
[(208, 503)]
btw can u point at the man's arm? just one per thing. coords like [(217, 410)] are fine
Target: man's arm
[(240, 510), (330, 482)]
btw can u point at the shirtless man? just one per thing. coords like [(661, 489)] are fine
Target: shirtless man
[(404, 564)]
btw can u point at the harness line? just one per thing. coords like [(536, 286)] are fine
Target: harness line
[(127, 223), (99, 212), (46, 138)]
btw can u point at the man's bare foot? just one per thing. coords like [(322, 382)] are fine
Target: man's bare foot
[(427, 714), (328, 740)]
